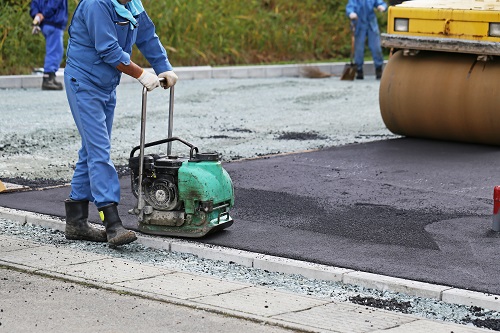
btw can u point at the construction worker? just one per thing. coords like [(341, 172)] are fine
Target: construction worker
[(101, 36), (50, 17), (362, 15)]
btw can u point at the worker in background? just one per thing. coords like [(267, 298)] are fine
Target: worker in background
[(101, 36), (50, 17), (362, 15)]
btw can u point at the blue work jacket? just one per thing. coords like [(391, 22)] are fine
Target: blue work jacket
[(55, 12), (100, 39), (365, 9)]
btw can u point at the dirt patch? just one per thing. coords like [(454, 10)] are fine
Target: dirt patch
[(386, 304), (302, 136)]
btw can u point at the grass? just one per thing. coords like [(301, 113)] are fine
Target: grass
[(208, 32)]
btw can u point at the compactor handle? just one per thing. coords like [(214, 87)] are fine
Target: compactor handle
[(142, 145), (168, 140)]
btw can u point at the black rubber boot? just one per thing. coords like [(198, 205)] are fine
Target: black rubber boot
[(116, 233), (50, 83), (359, 74), (77, 225), (378, 73)]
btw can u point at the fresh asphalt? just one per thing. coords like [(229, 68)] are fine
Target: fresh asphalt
[(409, 208)]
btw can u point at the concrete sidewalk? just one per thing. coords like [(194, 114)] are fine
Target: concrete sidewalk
[(238, 300), (207, 72)]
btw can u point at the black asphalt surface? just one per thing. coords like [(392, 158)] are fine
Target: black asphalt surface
[(408, 208)]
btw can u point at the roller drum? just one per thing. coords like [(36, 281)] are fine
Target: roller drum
[(445, 96)]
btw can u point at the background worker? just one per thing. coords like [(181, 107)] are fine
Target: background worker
[(50, 17), (101, 36), (362, 15)]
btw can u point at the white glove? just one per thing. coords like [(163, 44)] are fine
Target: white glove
[(149, 80), (170, 79), (36, 24), (38, 19), (35, 29), (353, 16), (381, 8)]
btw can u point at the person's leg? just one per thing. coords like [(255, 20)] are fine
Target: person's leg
[(54, 51), (93, 111), (77, 206), (359, 50), (80, 183), (376, 50)]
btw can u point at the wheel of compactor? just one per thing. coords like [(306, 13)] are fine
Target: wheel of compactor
[(439, 95)]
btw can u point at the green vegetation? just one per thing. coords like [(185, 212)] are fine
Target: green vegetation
[(208, 32)]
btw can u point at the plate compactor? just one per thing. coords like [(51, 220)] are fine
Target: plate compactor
[(178, 196)]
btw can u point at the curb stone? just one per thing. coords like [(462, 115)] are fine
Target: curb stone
[(288, 266)]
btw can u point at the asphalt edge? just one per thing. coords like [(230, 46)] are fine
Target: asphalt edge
[(287, 266)]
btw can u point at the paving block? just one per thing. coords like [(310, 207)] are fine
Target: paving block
[(205, 73), (467, 297), (32, 82), (261, 301), (214, 252), (221, 73), (274, 71), (185, 75), (162, 243), (306, 269), (257, 72), (291, 71), (239, 72), (426, 326), (183, 285), (44, 257), (12, 82), (381, 282), (8, 244), (13, 215), (45, 221), (111, 270), (344, 317)]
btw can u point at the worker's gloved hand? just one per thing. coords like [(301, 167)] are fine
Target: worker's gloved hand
[(149, 80), (170, 79), (36, 24), (353, 16), (35, 29), (381, 8)]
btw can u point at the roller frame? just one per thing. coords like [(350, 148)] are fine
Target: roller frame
[(440, 44)]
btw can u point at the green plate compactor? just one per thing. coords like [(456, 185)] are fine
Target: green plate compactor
[(185, 197)]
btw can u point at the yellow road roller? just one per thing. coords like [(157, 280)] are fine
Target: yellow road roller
[(442, 80)]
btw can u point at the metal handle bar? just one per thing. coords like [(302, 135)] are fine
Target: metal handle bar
[(159, 142), (140, 199)]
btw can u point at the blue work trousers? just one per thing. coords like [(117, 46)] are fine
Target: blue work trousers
[(362, 33), (54, 49), (95, 177)]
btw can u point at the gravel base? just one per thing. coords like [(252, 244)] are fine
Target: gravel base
[(336, 291), (239, 118)]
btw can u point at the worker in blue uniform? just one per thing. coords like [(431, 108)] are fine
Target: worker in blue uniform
[(362, 15), (101, 36), (50, 17)]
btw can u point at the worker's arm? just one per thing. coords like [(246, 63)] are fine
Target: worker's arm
[(132, 69), (147, 79)]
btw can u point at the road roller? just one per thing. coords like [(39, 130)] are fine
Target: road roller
[(442, 80)]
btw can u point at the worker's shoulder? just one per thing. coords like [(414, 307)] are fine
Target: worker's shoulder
[(96, 5)]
